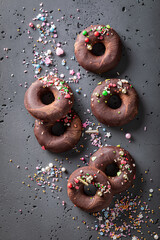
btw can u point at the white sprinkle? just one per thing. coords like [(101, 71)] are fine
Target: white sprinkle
[(151, 190), (63, 169), (156, 236), (50, 165)]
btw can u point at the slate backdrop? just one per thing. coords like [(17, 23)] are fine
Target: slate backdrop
[(137, 22)]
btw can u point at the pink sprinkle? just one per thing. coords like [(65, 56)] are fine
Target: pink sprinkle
[(123, 162), (128, 135), (78, 75), (114, 85), (101, 37), (72, 72), (76, 187), (85, 124), (48, 61), (31, 25), (134, 177), (67, 96), (109, 186), (59, 51), (76, 180), (43, 148)]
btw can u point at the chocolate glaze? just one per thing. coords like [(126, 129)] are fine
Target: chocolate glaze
[(114, 117), (98, 64), (54, 111), (108, 155), (80, 199), (61, 143)]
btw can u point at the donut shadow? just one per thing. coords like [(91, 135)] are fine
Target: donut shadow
[(121, 66)]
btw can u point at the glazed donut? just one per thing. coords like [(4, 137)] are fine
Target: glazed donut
[(108, 157), (116, 115), (58, 108), (107, 54), (63, 142), (94, 178)]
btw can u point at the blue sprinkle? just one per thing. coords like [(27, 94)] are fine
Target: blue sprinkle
[(142, 208), (104, 129), (101, 233), (42, 19), (67, 67), (106, 214), (51, 29)]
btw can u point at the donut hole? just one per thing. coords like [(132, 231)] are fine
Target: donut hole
[(58, 129), (114, 101), (47, 97), (90, 190), (111, 170), (98, 49)]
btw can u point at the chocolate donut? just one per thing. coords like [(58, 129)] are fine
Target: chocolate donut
[(108, 157), (63, 142), (88, 175), (102, 102), (58, 108), (98, 48)]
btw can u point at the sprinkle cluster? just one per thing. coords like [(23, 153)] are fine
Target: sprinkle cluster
[(90, 179), (98, 32), (58, 84)]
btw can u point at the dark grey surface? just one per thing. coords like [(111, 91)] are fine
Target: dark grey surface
[(137, 22)]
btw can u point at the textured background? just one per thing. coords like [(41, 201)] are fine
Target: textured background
[(44, 217)]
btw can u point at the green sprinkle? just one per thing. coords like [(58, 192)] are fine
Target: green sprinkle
[(119, 112), (87, 174), (84, 32), (98, 101), (108, 26), (58, 97), (119, 173), (104, 93), (93, 159)]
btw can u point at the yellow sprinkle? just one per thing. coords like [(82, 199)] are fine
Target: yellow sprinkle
[(10, 160), (23, 182), (28, 185)]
